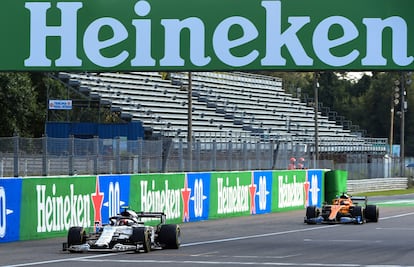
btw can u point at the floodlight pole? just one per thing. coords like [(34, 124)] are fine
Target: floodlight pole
[(402, 141), (392, 127), (316, 109), (190, 123)]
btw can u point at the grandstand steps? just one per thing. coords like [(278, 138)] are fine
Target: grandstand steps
[(228, 105)]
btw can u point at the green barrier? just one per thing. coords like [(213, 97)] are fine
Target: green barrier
[(51, 205), (335, 184), (229, 194), (158, 192), (288, 191)]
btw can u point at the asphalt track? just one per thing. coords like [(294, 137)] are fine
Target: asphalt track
[(278, 239)]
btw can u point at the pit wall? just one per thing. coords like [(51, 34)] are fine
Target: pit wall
[(45, 207)]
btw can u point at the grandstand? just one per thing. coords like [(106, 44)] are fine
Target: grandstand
[(233, 106)]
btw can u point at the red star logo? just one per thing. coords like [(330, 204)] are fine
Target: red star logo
[(97, 200), (185, 193), (252, 189), (306, 186)]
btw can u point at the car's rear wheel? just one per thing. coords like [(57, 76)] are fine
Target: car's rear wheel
[(372, 213), (169, 236), (76, 236)]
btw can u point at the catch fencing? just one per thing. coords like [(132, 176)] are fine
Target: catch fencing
[(48, 156)]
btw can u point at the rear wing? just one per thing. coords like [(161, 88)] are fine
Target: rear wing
[(356, 200), (153, 215)]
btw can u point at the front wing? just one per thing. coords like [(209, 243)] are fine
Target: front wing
[(342, 220)]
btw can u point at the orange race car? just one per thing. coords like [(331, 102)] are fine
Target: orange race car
[(344, 209)]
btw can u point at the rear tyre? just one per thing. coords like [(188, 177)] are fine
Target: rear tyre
[(372, 213), (169, 236)]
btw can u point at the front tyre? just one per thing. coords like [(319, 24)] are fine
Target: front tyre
[(311, 214), (76, 236), (141, 236), (147, 242), (372, 213)]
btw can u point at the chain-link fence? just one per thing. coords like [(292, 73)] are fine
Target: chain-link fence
[(72, 156)]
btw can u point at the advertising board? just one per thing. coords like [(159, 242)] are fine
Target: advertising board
[(206, 35), (10, 201)]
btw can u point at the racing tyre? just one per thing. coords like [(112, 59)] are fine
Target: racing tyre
[(169, 236), (372, 213), (358, 212), (76, 236), (142, 236), (311, 213), (147, 242)]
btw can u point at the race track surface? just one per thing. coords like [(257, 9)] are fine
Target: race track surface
[(278, 239)]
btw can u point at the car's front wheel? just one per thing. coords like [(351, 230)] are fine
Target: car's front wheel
[(311, 214), (141, 236), (76, 236), (372, 213)]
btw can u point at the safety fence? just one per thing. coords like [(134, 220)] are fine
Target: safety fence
[(76, 156)]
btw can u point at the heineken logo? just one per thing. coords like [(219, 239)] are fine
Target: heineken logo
[(232, 198), (160, 200), (274, 34), (291, 193), (59, 212)]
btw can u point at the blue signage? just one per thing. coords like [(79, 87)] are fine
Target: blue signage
[(10, 199), (262, 184), (115, 190), (198, 203), (60, 104), (314, 182)]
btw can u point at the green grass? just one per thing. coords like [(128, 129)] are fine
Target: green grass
[(387, 193)]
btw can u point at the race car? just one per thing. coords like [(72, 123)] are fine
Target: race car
[(126, 231), (344, 209)]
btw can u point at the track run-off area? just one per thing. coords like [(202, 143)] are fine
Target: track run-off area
[(277, 239)]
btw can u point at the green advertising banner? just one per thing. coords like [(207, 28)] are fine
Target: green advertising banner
[(159, 193), (288, 190), (231, 194), (50, 206), (205, 35)]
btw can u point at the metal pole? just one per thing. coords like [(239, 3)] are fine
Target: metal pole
[(402, 154), (392, 127), (315, 88), (190, 122)]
